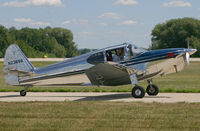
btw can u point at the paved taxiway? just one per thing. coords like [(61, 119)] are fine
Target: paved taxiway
[(91, 96)]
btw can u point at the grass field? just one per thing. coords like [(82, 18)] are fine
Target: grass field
[(186, 81), (104, 116)]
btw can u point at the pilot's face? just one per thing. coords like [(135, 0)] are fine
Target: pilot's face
[(118, 52)]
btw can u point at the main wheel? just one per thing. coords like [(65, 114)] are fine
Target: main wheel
[(152, 90), (138, 92), (22, 93)]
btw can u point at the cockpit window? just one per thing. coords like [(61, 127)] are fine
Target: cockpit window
[(115, 55), (96, 58)]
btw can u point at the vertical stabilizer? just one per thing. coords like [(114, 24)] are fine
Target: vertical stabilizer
[(15, 62)]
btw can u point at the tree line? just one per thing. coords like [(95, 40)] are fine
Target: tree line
[(51, 42)]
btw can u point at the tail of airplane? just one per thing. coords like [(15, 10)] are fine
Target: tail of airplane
[(16, 65)]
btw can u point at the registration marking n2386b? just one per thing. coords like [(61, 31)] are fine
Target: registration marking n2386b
[(15, 62)]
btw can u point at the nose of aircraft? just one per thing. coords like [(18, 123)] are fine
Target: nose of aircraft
[(191, 51)]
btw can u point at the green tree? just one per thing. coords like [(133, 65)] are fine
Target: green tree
[(53, 42), (28, 50), (58, 50), (174, 34), (65, 38), (5, 40)]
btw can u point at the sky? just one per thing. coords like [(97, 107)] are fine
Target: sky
[(98, 23)]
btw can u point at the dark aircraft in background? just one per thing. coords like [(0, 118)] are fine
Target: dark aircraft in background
[(116, 65)]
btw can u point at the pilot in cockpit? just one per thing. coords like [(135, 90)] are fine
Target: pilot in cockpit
[(115, 55), (119, 56)]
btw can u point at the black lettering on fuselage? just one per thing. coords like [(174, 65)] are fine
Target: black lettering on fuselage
[(15, 62)]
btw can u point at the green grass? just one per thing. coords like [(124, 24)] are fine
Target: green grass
[(104, 116), (187, 80)]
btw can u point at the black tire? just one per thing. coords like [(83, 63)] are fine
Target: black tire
[(138, 92), (152, 90), (22, 93)]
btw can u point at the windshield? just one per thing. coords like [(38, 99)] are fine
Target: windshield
[(133, 50)]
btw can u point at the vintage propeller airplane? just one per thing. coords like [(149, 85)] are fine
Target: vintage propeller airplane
[(116, 65)]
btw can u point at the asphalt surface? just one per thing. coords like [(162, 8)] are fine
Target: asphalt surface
[(91, 96)]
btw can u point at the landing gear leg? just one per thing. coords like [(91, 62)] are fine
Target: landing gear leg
[(152, 89), (138, 92), (23, 92)]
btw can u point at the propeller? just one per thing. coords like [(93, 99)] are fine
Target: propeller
[(187, 55)]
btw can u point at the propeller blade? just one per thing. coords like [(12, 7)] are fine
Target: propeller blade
[(187, 58)]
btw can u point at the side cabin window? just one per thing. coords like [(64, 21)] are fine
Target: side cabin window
[(115, 55), (96, 58)]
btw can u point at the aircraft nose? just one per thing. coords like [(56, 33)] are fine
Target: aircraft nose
[(191, 51)]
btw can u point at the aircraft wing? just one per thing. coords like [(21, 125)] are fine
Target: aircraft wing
[(110, 74)]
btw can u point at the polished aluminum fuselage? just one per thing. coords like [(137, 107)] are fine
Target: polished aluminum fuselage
[(73, 71)]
